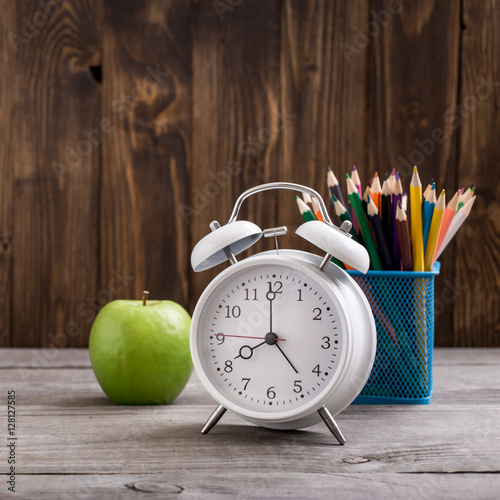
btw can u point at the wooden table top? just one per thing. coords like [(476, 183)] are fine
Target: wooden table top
[(72, 442)]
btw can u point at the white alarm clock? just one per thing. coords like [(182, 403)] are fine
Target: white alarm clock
[(283, 338)]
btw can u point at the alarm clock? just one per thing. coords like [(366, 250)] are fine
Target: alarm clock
[(284, 338)]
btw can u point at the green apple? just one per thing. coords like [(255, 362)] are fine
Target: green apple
[(139, 351)]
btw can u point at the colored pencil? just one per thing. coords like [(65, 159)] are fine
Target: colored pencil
[(342, 213), (386, 209), (308, 201), (465, 197), (363, 224), (456, 224), (417, 241), (437, 219), (392, 179), (355, 174), (376, 192), (334, 186), (404, 239), (364, 201), (404, 202), (378, 231), (357, 181), (427, 210), (397, 195), (305, 211), (427, 189), (315, 210), (449, 214)]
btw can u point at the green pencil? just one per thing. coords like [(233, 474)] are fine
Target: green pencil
[(343, 215), (363, 224)]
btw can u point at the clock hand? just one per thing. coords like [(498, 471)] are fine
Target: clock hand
[(286, 357), (244, 337), (244, 354)]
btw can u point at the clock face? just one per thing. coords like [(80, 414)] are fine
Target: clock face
[(270, 338)]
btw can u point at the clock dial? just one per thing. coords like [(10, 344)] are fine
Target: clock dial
[(270, 338)]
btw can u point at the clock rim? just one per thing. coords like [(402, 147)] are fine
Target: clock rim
[(311, 406)]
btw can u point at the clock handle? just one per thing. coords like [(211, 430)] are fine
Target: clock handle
[(282, 185)]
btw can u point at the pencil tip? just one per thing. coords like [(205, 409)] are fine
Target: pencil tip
[(415, 170), (334, 198), (354, 167), (347, 176), (328, 169), (397, 176)]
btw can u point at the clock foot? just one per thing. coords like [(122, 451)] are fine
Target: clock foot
[(214, 418), (331, 424)]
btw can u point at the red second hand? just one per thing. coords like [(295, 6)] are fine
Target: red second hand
[(245, 337)]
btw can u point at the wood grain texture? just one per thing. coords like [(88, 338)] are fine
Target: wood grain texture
[(324, 88), (52, 100), (6, 179), (273, 485), (71, 433), (146, 151), (408, 108), (237, 118), (476, 309)]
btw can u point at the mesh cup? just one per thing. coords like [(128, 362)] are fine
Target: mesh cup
[(402, 303)]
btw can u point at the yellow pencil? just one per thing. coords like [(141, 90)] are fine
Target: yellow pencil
[(417, 242), (437, 219)]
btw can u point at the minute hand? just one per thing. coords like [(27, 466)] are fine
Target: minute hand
[(286, 357)]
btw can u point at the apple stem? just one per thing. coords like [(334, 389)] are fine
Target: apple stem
[(144, 297)]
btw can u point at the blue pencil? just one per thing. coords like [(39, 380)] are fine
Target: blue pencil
[(427, 212)]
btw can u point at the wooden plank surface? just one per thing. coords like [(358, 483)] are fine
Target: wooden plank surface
[(476, 310), (50, 101), (251, 485), (6, 180), (325, 91), (71, 433), (407, 107), (146, 150), (237, 118)]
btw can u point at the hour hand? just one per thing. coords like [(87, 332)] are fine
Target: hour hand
[(246, 352)]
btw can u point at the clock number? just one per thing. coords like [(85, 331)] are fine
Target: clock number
[(246, 380), (270, 393), (326, 343), (317, 371), (317, 311), (234, 312), (229, 366), (247, 294), (277, 285), (220, 338), (300, 295), (297, 387)]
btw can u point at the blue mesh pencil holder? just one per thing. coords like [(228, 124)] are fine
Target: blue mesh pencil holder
[(403, 307)]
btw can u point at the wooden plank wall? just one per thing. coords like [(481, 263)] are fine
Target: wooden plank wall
[(128, 126)]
